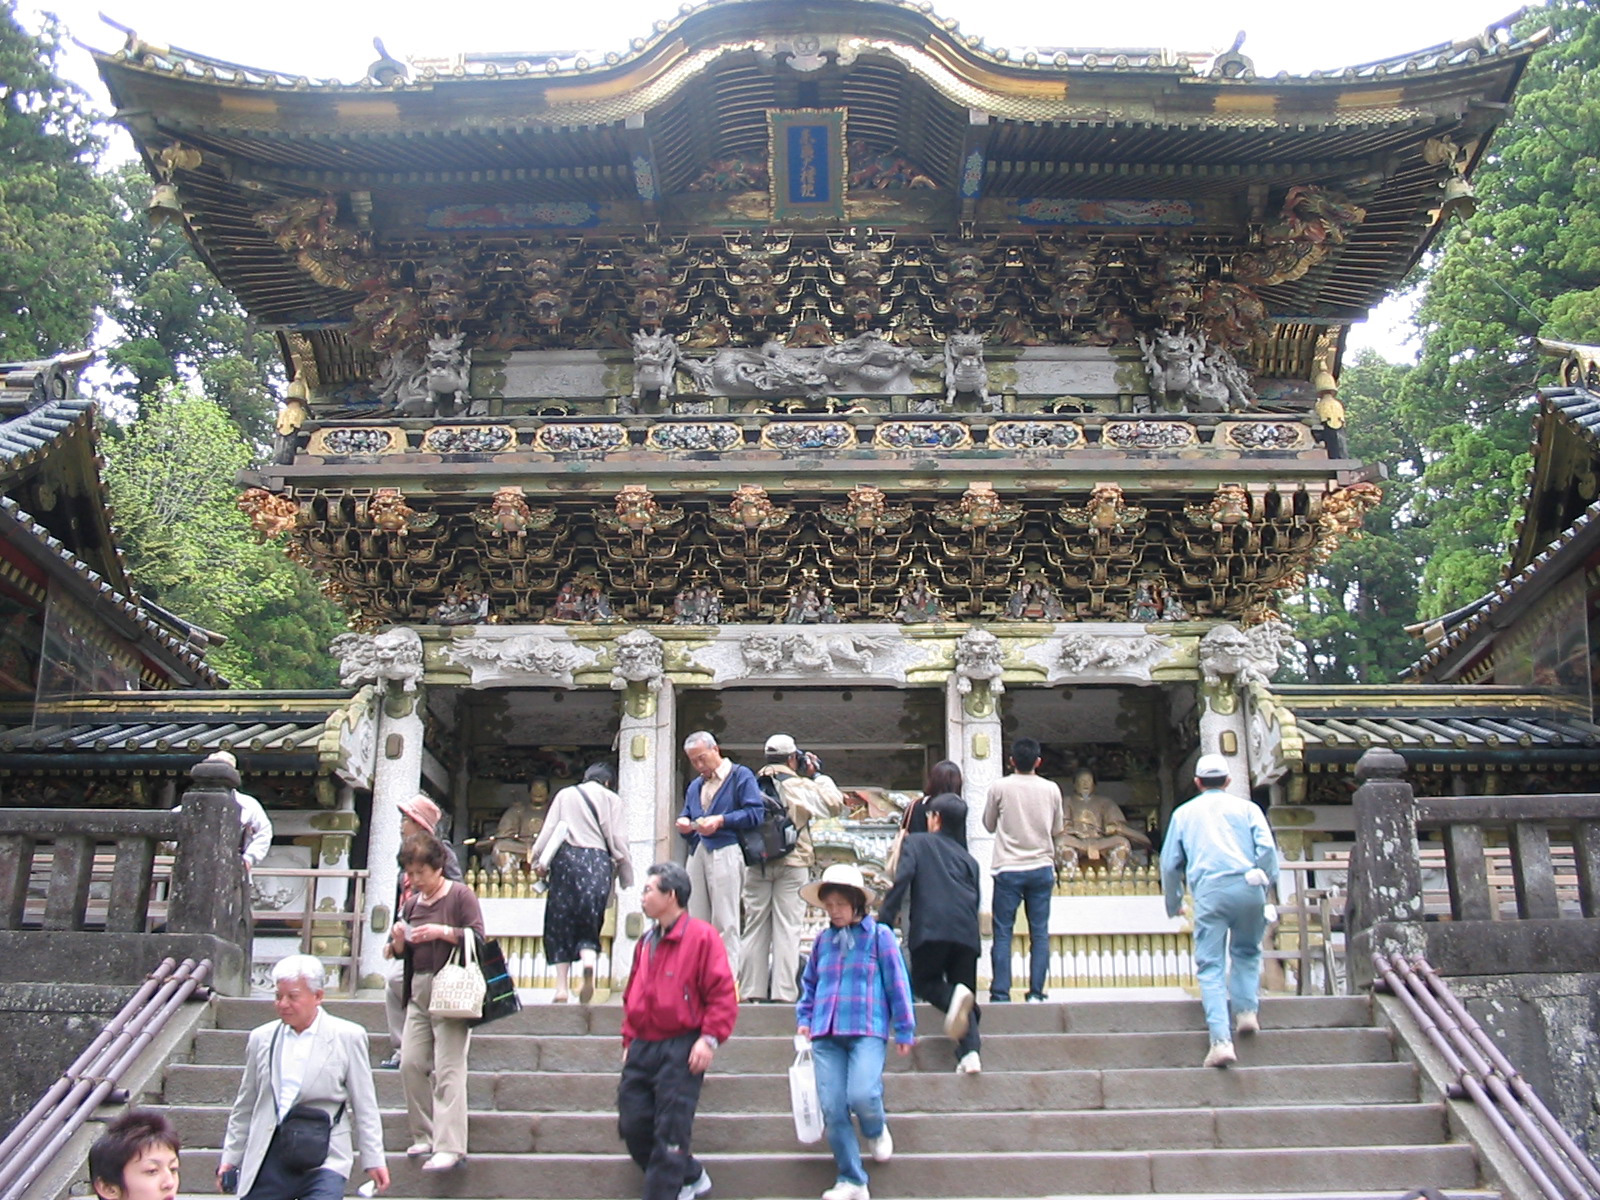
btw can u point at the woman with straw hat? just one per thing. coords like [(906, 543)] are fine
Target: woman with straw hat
[(854, 996)]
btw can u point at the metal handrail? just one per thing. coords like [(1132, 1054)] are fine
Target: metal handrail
[(30, 1147), (1535, 1138)]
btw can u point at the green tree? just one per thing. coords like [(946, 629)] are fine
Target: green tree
[(178, 322), (1350, 616), (171, 477), (55, 211), (1528, 264)]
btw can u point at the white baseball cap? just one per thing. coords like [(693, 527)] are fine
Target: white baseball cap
[(781, 743), (1212, 766)]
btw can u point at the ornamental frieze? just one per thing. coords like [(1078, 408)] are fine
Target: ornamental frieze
[(1149, 435), (1264, 435), (469, 439), (492, 658), (807, 435), (346, 442), (694, 436), (590, 436), (1044, 435), (922, 435)]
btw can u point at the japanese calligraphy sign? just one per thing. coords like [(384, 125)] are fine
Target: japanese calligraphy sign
[(808, 167)]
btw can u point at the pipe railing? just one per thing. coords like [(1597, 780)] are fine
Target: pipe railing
[(93, 1078), (1554, 1162)]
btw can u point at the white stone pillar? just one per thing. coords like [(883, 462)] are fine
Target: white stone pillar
[(646, 742), (392, 661), (396, 777), (1222, 731), (975, 743)]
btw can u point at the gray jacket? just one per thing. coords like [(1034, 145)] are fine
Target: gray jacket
[(339, 1072)]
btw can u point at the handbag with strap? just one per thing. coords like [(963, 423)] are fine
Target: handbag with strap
[(500, 990), (458, 986)]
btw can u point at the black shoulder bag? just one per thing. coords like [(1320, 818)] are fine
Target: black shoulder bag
[(305, 1131)]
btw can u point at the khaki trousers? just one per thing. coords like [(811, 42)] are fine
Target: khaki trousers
[(769, 956), (716, 889), (433, 1071)]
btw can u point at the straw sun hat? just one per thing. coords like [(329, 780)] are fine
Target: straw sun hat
[(846, 875)]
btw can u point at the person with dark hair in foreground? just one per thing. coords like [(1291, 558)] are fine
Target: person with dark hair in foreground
[(679, 1006), (940, 879), (136, 1158)]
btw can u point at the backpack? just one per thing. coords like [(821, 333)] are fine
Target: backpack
[(777, 833)]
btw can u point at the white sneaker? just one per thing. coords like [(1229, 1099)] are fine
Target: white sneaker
[(881, 1147), (1035, 999), (1220, 1055), (699, 1187), (959, 1015), (970, 1064), (1247, 1022), (847, 1191)]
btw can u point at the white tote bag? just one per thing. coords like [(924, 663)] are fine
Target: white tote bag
[(803, 1098), (458, 986)]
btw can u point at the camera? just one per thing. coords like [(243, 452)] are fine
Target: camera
[(810, 764), (230, 1180)]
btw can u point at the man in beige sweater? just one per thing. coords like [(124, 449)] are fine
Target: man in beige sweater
[(1024, 814)]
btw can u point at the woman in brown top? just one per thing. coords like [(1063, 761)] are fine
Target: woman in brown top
[(439, 913)]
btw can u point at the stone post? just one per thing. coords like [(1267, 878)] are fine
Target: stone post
[(1231, 659), (1384, 911), (972, 719), (209, 880), (392, 661), (646, 742)]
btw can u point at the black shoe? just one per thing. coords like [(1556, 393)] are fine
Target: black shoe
[(392, 1063)]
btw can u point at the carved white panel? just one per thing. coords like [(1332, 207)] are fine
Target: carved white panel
[(513, 656)]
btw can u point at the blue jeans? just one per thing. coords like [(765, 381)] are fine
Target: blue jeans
[(1033, 889), (850, 1080), (1230, 920)]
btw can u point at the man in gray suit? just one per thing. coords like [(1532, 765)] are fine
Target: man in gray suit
[(307, 1057)]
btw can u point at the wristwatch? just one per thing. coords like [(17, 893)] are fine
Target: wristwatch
[(709, 1040)]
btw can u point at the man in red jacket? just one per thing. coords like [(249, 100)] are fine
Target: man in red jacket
[(679, 1006)]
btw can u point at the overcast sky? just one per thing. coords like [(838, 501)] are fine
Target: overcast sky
[(330, 38)]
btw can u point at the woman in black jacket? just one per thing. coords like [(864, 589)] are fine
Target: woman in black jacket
[(940, 879)]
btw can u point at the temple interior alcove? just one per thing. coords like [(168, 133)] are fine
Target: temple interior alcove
[(1134, 739), (505, 737), (866, 736)]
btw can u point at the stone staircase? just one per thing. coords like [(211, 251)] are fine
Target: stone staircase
[(1089, 1097)]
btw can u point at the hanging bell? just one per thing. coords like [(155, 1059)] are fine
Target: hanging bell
[(1459, 199), (164, 205)]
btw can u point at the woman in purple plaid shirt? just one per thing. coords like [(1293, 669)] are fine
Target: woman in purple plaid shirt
[(854, 993)]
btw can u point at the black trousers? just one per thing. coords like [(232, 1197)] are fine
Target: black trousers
[(274, 1181), (655, 1113), (936, 968)]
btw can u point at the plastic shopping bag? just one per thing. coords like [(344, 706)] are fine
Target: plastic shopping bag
[(803, 1098)]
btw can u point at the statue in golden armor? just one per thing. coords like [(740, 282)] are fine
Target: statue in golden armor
[(1095, 829), (519, 827)]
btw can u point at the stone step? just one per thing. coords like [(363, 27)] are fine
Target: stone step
[(993, 1091), (1011, 1052), (1088, 1013), (930, 1133), (807, 1171)]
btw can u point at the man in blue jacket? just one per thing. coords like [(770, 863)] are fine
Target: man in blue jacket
[(1221, 846), (723, 799)]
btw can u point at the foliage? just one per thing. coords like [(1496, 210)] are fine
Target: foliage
[(171, 479), (178, 322), (55, 211), (1453, 429), (1527, 265)]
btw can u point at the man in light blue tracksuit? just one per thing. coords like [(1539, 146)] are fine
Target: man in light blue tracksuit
[(1221, 844)]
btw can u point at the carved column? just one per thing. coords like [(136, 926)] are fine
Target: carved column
[(646, 742), (392, 661), (975, 742), (1231, 660)]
